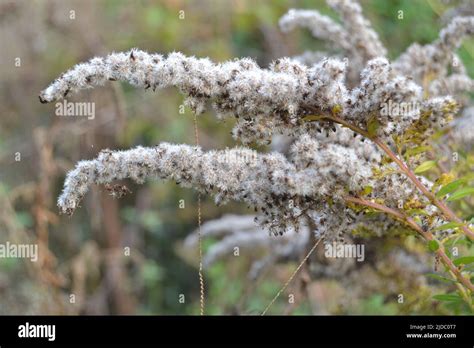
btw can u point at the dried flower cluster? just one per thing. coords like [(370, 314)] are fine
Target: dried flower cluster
[(241, 231), (355, 37), (325, 162), (429, 65)]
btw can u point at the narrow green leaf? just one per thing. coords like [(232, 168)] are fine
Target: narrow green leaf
[(372, 126), (440, 278), (448, 188), (447, 297), (458, 240), (367, 190), (336, 109), (448, 226), (463, 260), (466, 191), (433, 245), (425, 166), (416, 150)]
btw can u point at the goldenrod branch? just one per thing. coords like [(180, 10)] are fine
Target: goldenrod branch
[(425, 234), (447, 212)]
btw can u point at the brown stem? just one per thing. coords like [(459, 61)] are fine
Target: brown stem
[(447, 212), (425, 234)]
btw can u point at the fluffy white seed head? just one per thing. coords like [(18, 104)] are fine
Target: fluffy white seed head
[(325, 162)]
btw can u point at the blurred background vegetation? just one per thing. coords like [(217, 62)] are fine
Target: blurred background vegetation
[(84, 255)]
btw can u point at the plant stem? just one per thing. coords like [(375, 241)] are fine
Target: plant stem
[(447, 212), (464, 294), (425, 234)]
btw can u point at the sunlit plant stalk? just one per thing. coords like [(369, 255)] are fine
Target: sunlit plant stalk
[(428, 236)]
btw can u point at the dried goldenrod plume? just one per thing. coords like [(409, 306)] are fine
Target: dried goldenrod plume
[(432, 62), (354, 36), (330, 176)]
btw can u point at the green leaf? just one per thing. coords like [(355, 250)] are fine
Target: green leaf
[(417, 150), (455, 241), (433, 245), (425, 166), (466, 191), (336, 109), (463, 260), (447, 297), (367, 190), (372, 126), (440, 278), (448, 188), (448, 226)]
